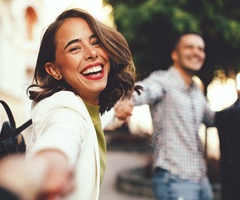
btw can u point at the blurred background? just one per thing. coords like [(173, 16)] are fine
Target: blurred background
[(150, 27)]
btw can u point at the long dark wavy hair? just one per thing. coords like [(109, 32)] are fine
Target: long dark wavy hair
[(121, 78)]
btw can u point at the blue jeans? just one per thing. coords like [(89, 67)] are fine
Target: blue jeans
[(170, 187)]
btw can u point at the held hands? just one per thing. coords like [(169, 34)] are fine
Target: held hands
[(59, 176), (34, 179), (123, 109)]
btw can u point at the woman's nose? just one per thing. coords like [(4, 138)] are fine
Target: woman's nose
[(90, 53)]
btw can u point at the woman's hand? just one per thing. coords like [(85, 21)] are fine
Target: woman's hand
[(36, 178), (123, 109)]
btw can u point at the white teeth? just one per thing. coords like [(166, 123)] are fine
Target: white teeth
[(92, 70)]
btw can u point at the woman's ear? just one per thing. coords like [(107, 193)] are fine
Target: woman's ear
[(53, 71)]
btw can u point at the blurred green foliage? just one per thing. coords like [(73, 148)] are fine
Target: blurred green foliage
[(150, 27)]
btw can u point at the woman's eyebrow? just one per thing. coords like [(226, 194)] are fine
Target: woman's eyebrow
[(71, 42), (92, 36)]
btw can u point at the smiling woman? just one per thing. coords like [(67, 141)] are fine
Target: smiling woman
[(78, 56), (83, 68)]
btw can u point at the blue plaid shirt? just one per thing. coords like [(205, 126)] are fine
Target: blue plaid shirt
[(177, 112)]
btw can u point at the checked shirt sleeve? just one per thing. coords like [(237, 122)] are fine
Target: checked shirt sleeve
[(153, 89)]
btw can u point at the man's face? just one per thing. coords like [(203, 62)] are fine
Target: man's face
[(189, 53)]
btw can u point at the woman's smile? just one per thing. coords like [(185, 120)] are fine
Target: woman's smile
[(93, 72)]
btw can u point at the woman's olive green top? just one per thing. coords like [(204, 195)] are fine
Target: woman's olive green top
[(94, 113)]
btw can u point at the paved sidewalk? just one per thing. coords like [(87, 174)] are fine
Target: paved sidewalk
[(118, 161)]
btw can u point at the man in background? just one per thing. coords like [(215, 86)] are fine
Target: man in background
[(178, 107)]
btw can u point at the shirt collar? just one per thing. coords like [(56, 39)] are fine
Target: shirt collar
[(179, 81)]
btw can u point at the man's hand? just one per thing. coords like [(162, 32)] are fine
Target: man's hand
[(123, 109)]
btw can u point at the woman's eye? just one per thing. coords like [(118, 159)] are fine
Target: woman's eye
[(96, 43), (74, 49)]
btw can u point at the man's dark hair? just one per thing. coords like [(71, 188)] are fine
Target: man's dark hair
[(178, 37)]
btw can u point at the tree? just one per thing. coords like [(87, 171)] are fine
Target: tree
[(150, 27)]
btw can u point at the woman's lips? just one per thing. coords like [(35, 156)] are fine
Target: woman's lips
[(94, 72)]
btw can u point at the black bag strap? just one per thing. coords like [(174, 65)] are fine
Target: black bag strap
[(12, 121), (22, 127), (9, 114)]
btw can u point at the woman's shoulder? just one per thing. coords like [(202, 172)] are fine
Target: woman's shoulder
[(62, 99), (61, 95)]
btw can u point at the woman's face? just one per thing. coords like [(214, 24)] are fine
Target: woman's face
[(80, 59)]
